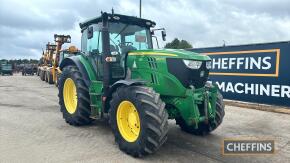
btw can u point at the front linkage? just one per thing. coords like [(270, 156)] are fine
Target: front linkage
[(205, 113)]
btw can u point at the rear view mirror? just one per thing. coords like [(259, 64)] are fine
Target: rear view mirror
[(90, 32), (163, 33)]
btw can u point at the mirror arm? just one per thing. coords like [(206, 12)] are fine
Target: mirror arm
[(156, 41), (163, 32), (158, 29)]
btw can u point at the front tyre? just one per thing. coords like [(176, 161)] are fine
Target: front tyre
[(138, 120), (204, 129), (74, 99)]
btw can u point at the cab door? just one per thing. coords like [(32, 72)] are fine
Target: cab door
[(92, 46)]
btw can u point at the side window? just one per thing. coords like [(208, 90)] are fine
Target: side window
[(95, 42), (115, 40), (95, 45), (84, 40)]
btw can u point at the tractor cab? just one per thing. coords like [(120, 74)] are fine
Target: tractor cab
[(125, 33), (110, 37)]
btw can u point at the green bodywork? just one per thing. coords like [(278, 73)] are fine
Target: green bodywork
[(180, 101), (193, 105)]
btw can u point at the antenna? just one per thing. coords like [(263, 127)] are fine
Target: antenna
[(140, 6)]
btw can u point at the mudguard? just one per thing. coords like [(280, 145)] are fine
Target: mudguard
[(74, 60), (127, 82)]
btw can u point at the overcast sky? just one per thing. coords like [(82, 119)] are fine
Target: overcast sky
[(27, 25)]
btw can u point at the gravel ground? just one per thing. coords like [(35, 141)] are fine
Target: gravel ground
[(32, 130)]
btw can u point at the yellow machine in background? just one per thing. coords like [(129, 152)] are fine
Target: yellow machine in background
[(71, 51), (48, 67), (45, 61), (54, 71)]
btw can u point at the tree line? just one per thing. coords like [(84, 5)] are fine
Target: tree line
[(178, 44)]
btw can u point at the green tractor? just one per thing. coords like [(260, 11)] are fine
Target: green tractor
[(118, 76)]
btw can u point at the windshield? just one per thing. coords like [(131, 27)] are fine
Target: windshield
[(129, 37)]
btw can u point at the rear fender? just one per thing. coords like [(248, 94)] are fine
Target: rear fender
[(83, 65)]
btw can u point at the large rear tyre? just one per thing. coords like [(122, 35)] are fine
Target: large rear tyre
[(74, 99), (204, 129), (138, 119)]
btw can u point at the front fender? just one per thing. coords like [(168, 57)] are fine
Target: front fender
[(127, 82)]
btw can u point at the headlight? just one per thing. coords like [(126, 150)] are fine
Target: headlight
[(192, 64), (208, 64)]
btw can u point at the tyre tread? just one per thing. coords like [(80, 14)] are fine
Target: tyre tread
[(155, 119)]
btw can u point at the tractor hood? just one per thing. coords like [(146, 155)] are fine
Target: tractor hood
[(172, 53)]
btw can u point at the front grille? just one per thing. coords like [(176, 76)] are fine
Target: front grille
[(186, 75), (154, 79), (152, 62)]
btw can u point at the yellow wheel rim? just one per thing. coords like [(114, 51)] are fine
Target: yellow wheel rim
[(70, 95), (128, 121)]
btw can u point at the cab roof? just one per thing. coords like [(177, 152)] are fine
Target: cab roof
[(119, 18)]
